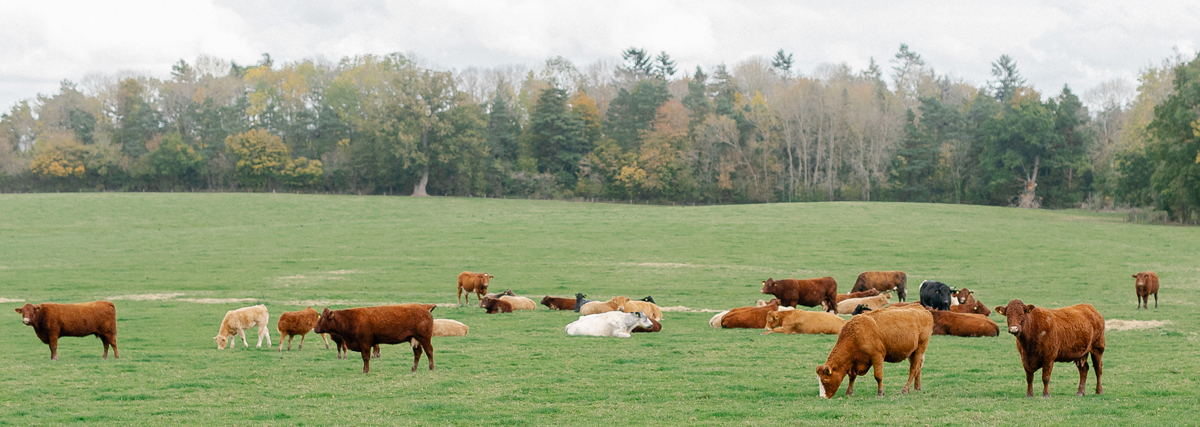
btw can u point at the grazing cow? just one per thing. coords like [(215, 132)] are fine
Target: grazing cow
[(963, 296), (882, 281), (648, 299), (803, 322), (50, 321), (650, 309), (808, 292), (237, 321), (748, 317), (863, 294), (889, 335), (608, 324), (963, 325), (655, 326), (974, 307), (616, 303), (292, 323), (473, 282), (1045, 336), (555, 303), (1146, 284), (935, 295), (449, 328), (580, 301), (873, 303), (496, 305), (519, 303), (362, 328)]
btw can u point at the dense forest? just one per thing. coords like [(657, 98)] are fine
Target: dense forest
[(641, 130)]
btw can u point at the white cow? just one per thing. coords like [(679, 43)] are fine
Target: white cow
[(609, 324), (237, 321)]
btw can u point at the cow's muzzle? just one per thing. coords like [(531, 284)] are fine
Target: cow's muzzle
[(1014, 330), (25, 320)]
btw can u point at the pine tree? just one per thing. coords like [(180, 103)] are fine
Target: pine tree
[(1007, 78), (783, 63)]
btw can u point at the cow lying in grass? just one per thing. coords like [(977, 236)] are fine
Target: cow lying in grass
[(608, 324), (51, 321), (650, 309), (449, 328), (555, 303), (519, 303), (803, 322), (873, 303), (237, 321), (616, 303)]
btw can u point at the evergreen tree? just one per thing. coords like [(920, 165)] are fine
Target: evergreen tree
[(1175, 145), (697, 102), (637, 62), (502, 130), (633, 111), (557, 136), (664, 67), (783, 63), (1007, 79)]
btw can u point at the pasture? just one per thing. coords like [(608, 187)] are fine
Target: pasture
[(174, 263)]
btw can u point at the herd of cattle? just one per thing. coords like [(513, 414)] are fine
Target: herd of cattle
[(878, 331)]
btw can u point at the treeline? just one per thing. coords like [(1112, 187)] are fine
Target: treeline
[(640, 130)]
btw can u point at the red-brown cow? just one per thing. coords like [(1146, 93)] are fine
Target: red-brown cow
[(655, 326), (50, 321), (964, 295), (362, 328), (559, 303), (1146, 284), (1045, 336), (863, 294), (963, 325), (808, 292), (889, 335), (882, 281), (473, 282), (496, 305), (341, 347), (974, 307), (749, 317)]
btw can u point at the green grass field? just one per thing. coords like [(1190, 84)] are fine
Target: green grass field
[(197, 252)]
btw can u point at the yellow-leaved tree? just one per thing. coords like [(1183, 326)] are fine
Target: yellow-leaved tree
[(263, 160)]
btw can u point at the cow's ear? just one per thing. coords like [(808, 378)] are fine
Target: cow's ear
[(1134, 276), (17, 310), (828, 371), (999, 309), (1029, 308)]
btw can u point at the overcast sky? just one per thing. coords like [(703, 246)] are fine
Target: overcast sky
[(1080, 43)]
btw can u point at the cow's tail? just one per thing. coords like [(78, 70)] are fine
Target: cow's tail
[(715, 322)]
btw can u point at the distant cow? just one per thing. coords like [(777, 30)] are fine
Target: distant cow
[(935, 295), (650, 309), (963, 325), (648, 299), (803, 322), (1045, 336), (580, 301), (748, 317), (473, 282), (50, 321), (974, 307), (363, 328), (616, 303), (235, 323), (496, 305), (882, 281), (554, 303), (1146, 284), (862, 294), (873, 303), (963, 296), (292, 323), (449, 328), (889, 335), (808, 292), (608, 324), (519, 303)]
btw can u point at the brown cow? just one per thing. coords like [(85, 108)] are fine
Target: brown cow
[(964, 296), (1045, 336), (554, 303), (963, 325), (882, 281), (803, 322), (749, 317), (1146, 284), (655, 326), (869, 339), (496, 305), (807, 292), (863, 294), (50, 321), (292, 323), (974, 307), (362, 328), (341, 347), (473, 282)]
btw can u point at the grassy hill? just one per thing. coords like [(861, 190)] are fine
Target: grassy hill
[(174, 263)]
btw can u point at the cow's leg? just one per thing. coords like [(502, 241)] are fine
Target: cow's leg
[(1047, 368), (289, 338), (110, 341), (377, 354), (1155, 300), (849, 387), (1029, 382), (1082, 364), (242, 333), (105, 343), (301, 341), (460, 296), (326, 338), (877, 367), (416, 347), (427, 345), (53, 346), (366, 355), (914, 371), (263, 330), (1097, 356)]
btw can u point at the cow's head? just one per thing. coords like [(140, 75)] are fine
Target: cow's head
[(768, 286), (1016, 312), (508, 292), (325, 321), (1141, 279), (648, 299), (580, 295), (29, 313), (828, 381), (618, 302), (774, 319), (862, 308), (222, 341), (642, 320), (962, 295), (979, 308)]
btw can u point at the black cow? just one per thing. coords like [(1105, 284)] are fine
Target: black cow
[(579, 301), (649, 300), (935, 295)]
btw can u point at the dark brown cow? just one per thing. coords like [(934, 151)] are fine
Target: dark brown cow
[(863, 294), (656, 326), (974, 307), (362, 328), (963, 325), (50, 321), (1045, 336), (496, 305), (808, 292), (889, 335), (749, 317), (341, 347), (559, 303), (1146, 284), (473, 282), (964, 296), (882, 281)]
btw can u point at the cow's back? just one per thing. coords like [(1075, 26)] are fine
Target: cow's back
[(97, 317), (900, 331), (1075, 330), (392, 324)]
